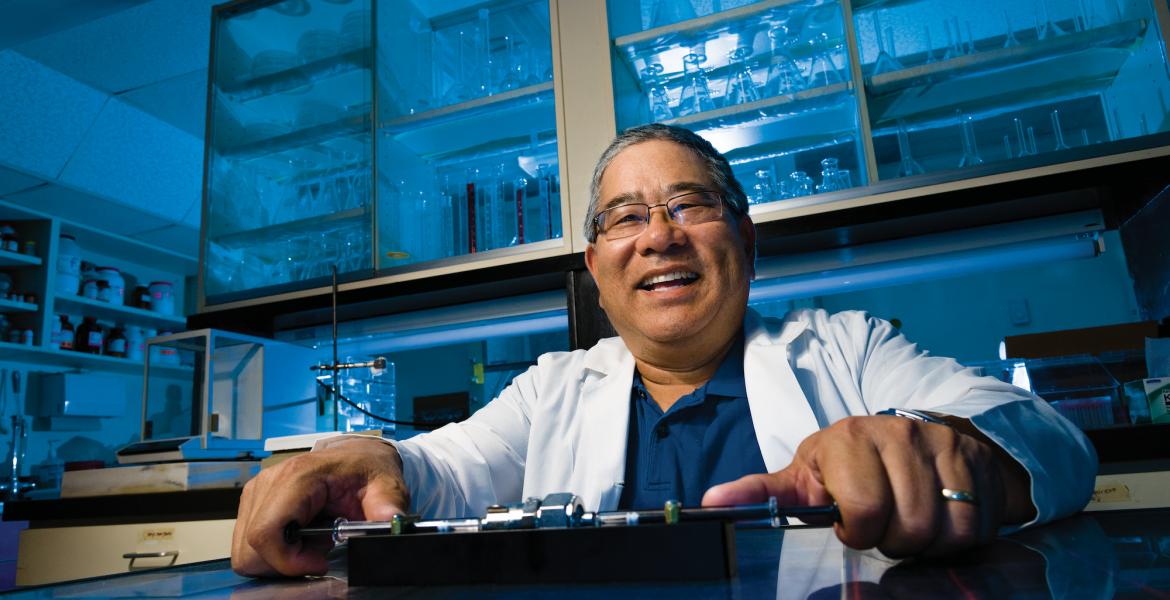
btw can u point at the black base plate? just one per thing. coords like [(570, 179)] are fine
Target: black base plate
[(682, 552)]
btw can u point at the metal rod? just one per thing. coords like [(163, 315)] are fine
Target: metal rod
[(336, 372), (342, 529)]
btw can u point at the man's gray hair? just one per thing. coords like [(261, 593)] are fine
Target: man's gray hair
[(718, 169)]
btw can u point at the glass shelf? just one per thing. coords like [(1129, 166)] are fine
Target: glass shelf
[(1084, 61), (301, 138), (486, 106), (706, 24), (354, 217), (298, 77)]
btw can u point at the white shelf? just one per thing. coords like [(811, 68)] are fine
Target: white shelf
[(80, 360), (15, 306), (127, 315), (15, 259)]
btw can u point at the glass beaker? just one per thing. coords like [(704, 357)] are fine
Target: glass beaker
[(762, 190), (833, 178), (696, 91), (798, 184), (741, 87)]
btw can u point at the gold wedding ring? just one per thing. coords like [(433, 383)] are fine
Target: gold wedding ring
[(959, 496)]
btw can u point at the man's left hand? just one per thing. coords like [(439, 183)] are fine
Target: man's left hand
[(887, 476)]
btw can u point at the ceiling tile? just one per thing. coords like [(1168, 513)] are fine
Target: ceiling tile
[(180, 101), (140, 161), (45, 115), (146, 44), (81, 207), (176, 238), (14, 181)]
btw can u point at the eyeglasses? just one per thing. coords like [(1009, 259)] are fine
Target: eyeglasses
[(626, 220)]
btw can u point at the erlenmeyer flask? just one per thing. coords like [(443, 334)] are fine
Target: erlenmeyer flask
[(657, 97), (823, 70), (908, 166), (954, 39), (1010, 40), (1045, 26), (741, 88), (696, 93), (885, 61), (784, 76), (970, 156)]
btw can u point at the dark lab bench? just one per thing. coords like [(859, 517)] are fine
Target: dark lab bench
[(1093, 555)]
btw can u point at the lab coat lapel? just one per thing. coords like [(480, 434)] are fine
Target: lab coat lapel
[(606, 405), (781, 414)]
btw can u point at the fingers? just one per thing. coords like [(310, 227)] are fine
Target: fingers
[(753, 489), (886, 475), (384, 497), (355, 481)]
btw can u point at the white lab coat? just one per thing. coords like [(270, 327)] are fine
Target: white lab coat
[(561, 426)]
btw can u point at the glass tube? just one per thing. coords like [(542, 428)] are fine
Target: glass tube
[(1058, 131)]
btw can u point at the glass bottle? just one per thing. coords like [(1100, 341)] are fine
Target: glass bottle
[(696, 92), (116, 343), (90, 336)]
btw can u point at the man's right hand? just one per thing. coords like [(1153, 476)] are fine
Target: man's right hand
[(359, 479)]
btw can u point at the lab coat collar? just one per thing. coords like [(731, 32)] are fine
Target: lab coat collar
[(780, 411)]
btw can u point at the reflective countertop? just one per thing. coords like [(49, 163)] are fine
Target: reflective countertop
[(1093, 555)]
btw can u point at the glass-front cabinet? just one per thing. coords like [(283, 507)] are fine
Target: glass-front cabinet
[(808, 97), (375, 137)]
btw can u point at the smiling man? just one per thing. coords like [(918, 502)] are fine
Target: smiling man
[(700, 399)]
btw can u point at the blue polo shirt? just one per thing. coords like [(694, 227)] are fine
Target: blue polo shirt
[(706, 438)]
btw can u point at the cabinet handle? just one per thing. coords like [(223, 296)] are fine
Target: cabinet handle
[(133, 556)]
